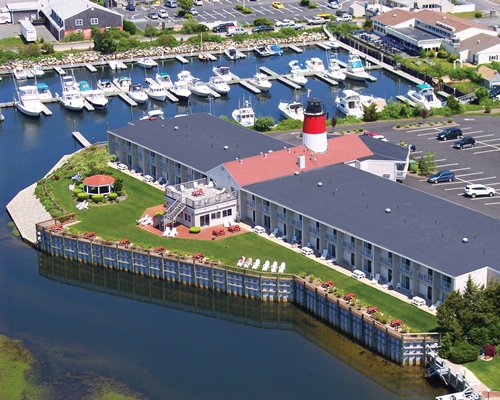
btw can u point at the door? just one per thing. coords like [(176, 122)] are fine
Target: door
[(267, 222), (429, 293), (353, 260), (389, 275), (205, 220)]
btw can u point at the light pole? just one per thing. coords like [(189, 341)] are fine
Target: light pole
[(488, 390)]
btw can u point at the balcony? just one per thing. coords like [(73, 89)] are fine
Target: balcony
[(265, 209), (387, 261), (349, 245), (177, 171), (404, 267), (313, 230), (331, 237), (280, 216), (152, 160), (425, 278), (297, 223), (198, 194), (444, 285), (367, 252), (250, 203)]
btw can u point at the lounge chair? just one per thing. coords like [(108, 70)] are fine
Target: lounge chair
[(274, 232), (225, 221), (265, 267), (71, 187), (387, 285), (376, 279), (231, 221), (274, 266), (248, 263), (166, 232), (324, 254), (173, 232), (256, 264), (282, 267), (435, 305), (241, 261), (398, 285)]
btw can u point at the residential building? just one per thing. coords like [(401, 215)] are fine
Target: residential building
[(478, 49)]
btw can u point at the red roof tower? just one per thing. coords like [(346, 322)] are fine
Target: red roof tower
[(314, 128)]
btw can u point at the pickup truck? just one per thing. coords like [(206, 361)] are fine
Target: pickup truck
[(316, 21)]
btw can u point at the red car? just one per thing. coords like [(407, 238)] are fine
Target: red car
[(375, 135)]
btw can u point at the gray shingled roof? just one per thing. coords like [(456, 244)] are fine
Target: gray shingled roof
[(199, 140), (68, 8), (384, 150), (421, 227)]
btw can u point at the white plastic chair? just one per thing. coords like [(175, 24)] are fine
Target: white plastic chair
[(173, 232), (195, 185), (256, 264), (282, 267), (435, 305), (324, 254), (166, 232), (274, 232), (376, 279), (265, 267), (274, 266), (225, 222), (241, 261)]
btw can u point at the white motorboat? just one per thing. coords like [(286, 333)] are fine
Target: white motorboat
[(293, 110), (274, 49), (334, 71), (155, 91), (355, 69), (123, 83), (261, 82), (44, 92), (95, 97), (28, 101), (245, 114), (425, 97), (216, 83), (68, 81), (37, 70), (163, 79), (199, 88), (297, 78), (72, 99), (233, 53), (349, 103), (263, 51), (379, 102), (299, 67), (315, 64), (223, 72), (137, 93), (185, 76), (181, 90), (19, 73), (153, 114), (146, 62), (105, 85)]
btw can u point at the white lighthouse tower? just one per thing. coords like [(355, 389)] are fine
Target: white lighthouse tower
[(314, 128)]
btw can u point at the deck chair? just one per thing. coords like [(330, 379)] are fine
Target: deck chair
[(241, 261), (226, 222), (435, 305), (195, 185), (265, 267), (85, 205), (79, 206), (398, 285), (173, 232), (387, 285), (71, 187), (376, 279), (274, 232), (324, 254), (256, 264), (282, 267), (274, 266), (166, 232)]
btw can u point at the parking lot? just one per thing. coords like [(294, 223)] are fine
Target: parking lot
[(475, 165)]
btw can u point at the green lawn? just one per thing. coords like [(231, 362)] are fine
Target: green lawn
[(487, 372), (11, 42), (466, 15), (467, 86)]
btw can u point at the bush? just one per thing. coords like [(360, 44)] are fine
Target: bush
[(263, 124), (478, 14), (151, 31), (195, 229), (262, 21), (77, 191), (489, 350), (462, 353), (73, 37), (118, 185), (304, 3), (288, 125), (129, 26), (192, 26), (370, 113), (452, 57), (47, 48), (98, 198), (82, 196), (168, 40), (442, 53), (312, 5), (112, 196)]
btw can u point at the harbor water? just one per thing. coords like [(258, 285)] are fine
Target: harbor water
[(160, 339)]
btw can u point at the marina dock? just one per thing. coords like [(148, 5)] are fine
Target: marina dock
[(249, 86), (181, 59), (170, 96), (279, 78), (295, 48), (210, 56), (81, 139), (325, 79), (90, 67), (406, 100), (46, 110), (127, 99), (88, 106), (59, 70)]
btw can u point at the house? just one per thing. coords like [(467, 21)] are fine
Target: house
[(443, 6), (63, 17), (23, 11), (479, 49), (490, 77), (357, 9)]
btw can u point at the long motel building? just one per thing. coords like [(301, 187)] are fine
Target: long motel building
[(342, 194)]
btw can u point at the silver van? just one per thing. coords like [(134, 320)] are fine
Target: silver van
[(235, 30), (171, 3)]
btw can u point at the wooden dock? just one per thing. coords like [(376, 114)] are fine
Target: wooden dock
[(127, 99), (279, 78), (268, 71), (249, 86), (406, 100), (213, 93), (324, 78), (59, 70), (90, 67), (324, 46), (81, 139), (88, 106), (443, 94), (46, 110), (210, 56), (181, 59), (295, 48)]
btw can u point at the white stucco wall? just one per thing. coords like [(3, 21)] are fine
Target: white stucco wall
[(483, 57), (222, 178), (480, 276)]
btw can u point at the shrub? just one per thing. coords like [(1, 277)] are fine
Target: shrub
[(303, 275), (151, 31), (118, 185), (76, 191), (370, 113), (311, 278), (463, 352), (195, 229), (478, 14), (442, 53), (452, 57), (47, 48), (129, 26), (413, 167), (263, 124), (167, 40), (193, 26), (489, 350), (73, 37), (98, 198), (82, 196), (312, 5), (112, 196), (262, 21), (304, 3)]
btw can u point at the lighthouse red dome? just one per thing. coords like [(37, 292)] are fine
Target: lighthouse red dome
[(314, 128)]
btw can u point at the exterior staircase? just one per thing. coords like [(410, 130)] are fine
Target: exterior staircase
[(173, 211)]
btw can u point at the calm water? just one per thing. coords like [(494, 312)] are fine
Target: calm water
[(166, 341)]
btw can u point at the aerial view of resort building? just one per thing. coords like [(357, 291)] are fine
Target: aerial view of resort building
[(294, 198)]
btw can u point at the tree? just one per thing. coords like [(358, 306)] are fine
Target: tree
[(151, 31), (370, 113), (263, 124), (103, 43), (368, 25), (424, 113), (427, 163), (129, 26), (185, 4), (167, 40), (262, 21), (453, 105)]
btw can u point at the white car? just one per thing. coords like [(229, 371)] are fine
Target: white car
[(479, 190), (284, 23), (333, 4), (198, 2), (193, 11), (162, 13), (344, 18)]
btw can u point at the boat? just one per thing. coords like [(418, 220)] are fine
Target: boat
[(223, 72), (202, 55), (355, 69), (262, 51), (274, 49), (244, 115), (185, 76), (297, 78), (123, 83), (180, 90), (72, 99), (425, 97), (367, 100), (334, 71), (19, 73), (105, 85), (137, 93), (155, 91), (199, 88), (349, 103), (153, 114), (299, 67), (293, 110), (28, 102), (217, 84), (163, 79), (44, 92), (95, 97), (146, 62), (234, 54), (261, 82), (68, 81), (315, 64), (37, 70)]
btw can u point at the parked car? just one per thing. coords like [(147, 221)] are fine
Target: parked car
[(153, 15), (198, 2), (162, 13), (193, 11), (284, 23), (441, 176), (316, 20), (262, 28), (449, 133), (130, 7), (235, 30), (478, 190), (339, 13), (375, 135), (344, 18), (466, 141), (222, 27), (171, 3), (333, 4), (277, 4)]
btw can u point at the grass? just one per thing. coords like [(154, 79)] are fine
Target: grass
[(466, 15), (487, 372), (466, 86), (15, 364), (11, 42)]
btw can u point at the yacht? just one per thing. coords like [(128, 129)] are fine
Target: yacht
[(43, 91), (180, 90), (69, 82), (123, 83), (185, 76), (199, 88), (155, 91), (137, 93), (216, 83), (261, 82), (94, 97), (297, 78), (164, 80), (223, 72), (293, 110), (72, 99), (315, 64), (19, 73), (367, 100), (233, 54), (245, 114), (105, 85), (424, 96), (299, 67), (37, 70), (28, 101), (349, 103), (146, 62), (334, 71), (263, 51), (153, 114), (355, 69), (274, 49)]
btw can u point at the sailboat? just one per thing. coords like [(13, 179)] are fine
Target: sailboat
[(203, 56)]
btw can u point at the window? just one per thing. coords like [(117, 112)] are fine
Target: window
[(215, 215), (494, 58), (227, 213), (94, 21), (78, 22)]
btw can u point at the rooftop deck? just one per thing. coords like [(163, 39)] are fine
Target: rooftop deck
[(199, 194)]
